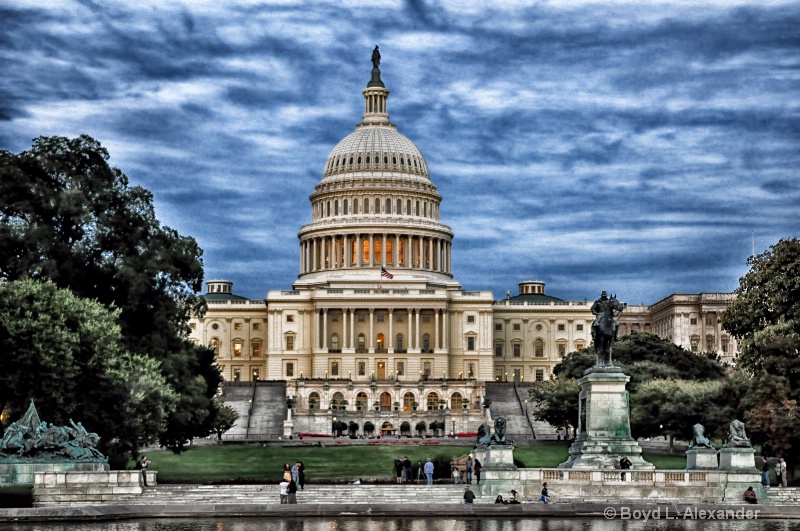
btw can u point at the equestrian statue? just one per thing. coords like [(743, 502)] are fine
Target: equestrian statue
[(605, 327)]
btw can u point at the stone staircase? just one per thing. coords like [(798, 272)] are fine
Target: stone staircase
[(265, 419), (238, 396), (313, 494), (783, 495), (505, 404)]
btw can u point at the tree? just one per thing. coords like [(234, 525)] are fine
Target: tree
[(765, 317), (556, 402), (226, 417), (66, 215), (66, 353)]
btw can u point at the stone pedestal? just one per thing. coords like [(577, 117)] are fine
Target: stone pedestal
[(604, 423), (737, 459), (23, 472), (701, 459), (288, 428), (499, 458)]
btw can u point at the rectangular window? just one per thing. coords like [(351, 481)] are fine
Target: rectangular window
[(401, 368), (709, 345), (498, 327), (516, 327), (289, 342), (399, 319), (193, 326), (290, 318), (290, 370), (498, 350), (380, 318), (693, 320), (335, 318), (579, 328), (361, 368), (237, 326), (334, 368), (724, 345), (237, 375), (470, 318), (256, 326), (708, 320), (362, 318), (470, 343), (561, 327), (426, 369), (256, 350), (562, 349), (539, 375), (471, 370), (517, 350), (237, 348), (426, 318)]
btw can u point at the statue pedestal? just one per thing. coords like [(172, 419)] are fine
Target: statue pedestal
[(701, 459), (499, 458), (288, 428), (737, 459), (604, 423)]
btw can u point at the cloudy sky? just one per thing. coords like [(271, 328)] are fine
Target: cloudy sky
[(635, 147)]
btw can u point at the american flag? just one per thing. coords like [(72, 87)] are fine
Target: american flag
[(386, 274)]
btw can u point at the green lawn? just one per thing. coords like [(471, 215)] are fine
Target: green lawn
[(214, 463)]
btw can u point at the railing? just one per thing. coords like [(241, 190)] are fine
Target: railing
[(524, 411), (567, 475), (291, 292)]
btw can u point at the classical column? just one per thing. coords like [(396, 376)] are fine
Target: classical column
[(436, 330), (391, 340), (371, 249), (416, 339), (352, 328), (383, 251), (445, 330), (325, 328), (409, 344), (370, 344), (358, 250), (313, 254), (410, 261), (396, 250), (430, 253), (344, 328)]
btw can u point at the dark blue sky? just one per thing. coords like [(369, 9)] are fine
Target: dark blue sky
[(634, 147)]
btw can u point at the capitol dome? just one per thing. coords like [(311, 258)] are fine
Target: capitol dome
[(375, 207)]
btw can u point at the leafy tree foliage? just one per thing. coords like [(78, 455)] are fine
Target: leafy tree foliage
[(66, 354), (66, 215), (226, 417), (765, 317), (556, 401)]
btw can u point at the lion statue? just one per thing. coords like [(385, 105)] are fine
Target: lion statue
[(499, 436), (700, 440), (484, 436), (737, 438)]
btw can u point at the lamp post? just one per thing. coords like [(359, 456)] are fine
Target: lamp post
[(333, 427), (454, 426)]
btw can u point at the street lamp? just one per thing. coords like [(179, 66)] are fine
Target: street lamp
[(454, 426), (333, 428)]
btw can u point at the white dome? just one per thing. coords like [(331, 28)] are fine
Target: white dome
[(376, 148)]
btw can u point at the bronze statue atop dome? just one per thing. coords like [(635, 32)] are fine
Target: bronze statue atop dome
[(376, 57)]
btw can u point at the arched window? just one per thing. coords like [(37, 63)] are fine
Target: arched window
[(255, 348), (455, 401), (344, 207), (329, 208), (416, 210), (214, 345), (355, 206), (538, 348), (386, 401), (389, 254), (408, 207), (366, 206), (335, 342), (426, 342), (336, 208), (365, 253), (399, 343), (425, 209), (377, 206), (432, 401), (336, 400), (408, 401), (362, 401), (399, 207), (313, 400), (362, 342), (380, 342), (237, 347), (388, 206)]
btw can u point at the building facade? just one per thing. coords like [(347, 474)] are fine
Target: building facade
[(376, 321)]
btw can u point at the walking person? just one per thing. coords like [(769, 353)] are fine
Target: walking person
[(283, 486), (478, 467), (301, 475), (291, 492), (545, 493), (780, 473), (456, 476), (765, 471), (429, 471), (295, 473), (143, 464), (468, 469)]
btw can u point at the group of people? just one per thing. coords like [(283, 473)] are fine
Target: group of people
[(780, 472), (472, 465), (294, 477), (510, 501)]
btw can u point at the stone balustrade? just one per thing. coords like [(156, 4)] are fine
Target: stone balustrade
[(87, 487)]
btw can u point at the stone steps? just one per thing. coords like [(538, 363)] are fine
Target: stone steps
[(783, 495)]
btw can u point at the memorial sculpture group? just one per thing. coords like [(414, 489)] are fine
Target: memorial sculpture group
[(35, 440)]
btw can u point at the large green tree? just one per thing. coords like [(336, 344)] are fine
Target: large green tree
[(66, 354), (68, 216), (765, 317)]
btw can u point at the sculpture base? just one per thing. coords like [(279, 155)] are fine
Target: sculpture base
[(23, 473), (288, 428), (701, 459), (604, 423), (499, 458), (737, 459)]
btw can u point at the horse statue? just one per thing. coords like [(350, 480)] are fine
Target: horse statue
[(605, 326)]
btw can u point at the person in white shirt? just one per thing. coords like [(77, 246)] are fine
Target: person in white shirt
[(284, 485)]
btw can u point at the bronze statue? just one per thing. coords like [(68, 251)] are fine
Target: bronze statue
[(376, 57), (737, 437), (484, 437), (605, 327), (700, 440), (499, 435)]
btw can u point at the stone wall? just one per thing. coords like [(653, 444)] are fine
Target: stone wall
[(87, 488), (23, 473)]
